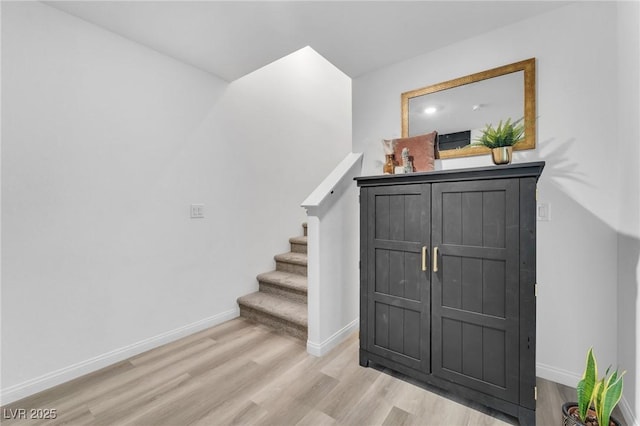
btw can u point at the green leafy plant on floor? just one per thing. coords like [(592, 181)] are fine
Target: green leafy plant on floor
[(507, 134), (600, 395)]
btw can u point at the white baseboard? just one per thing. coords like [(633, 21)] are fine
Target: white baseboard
[(627, 412), (558, 375), (338, 337), (46, 381)]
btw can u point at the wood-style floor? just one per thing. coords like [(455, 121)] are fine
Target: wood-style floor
[(243, 373)]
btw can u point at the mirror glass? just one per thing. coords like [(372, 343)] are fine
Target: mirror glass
[(459, 109)]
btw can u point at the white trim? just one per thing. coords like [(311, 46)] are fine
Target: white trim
[(558, 375), (48, 380), (627, 412), (333, 341)]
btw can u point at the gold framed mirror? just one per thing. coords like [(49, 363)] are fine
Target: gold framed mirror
[(459, 109)]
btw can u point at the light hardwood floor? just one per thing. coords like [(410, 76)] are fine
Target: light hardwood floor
[(243, 373)]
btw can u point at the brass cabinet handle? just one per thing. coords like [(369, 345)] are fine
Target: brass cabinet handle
[(435, 259), (424, 258)]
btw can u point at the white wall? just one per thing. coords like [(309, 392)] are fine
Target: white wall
[(339, 302), (629, 215), (577, 93), (333, 252), (105, 144), (286, 125), (101, 158)]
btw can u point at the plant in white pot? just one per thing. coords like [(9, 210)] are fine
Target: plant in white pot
[(596, 398), (502, 138)]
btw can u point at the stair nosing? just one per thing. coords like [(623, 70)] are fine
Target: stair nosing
[(301, 240), (292, 257)]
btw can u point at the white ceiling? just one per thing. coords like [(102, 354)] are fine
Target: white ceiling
[(233, 38)]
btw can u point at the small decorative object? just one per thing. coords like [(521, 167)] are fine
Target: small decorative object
[(407, 166), (389, 165), (388, 145), (596, 398), (502, 139)]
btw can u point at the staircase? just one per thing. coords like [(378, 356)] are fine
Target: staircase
[(281, 302)]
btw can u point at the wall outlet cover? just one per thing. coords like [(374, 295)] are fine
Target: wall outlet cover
[(543, 212), (197, 211)]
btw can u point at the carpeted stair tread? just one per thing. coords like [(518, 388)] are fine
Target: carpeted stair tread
[(298, 244), (285, 279), (298, 240), (281, 302), (276, 306), (291, 257)]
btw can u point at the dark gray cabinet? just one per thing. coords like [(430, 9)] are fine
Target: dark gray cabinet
[(447, 285), (398, 307)]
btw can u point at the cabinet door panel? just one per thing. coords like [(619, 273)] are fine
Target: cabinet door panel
[(475, 291), (398, 293)]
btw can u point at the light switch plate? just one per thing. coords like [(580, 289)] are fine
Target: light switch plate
[(197, 211), (543, 212)]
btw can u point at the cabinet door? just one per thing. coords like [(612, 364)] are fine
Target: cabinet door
[(397, 286), (475, 290)]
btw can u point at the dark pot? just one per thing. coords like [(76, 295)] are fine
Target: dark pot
[(568, 420)]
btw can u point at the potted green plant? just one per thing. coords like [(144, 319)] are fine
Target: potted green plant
[(596, 398), (502, 138)]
